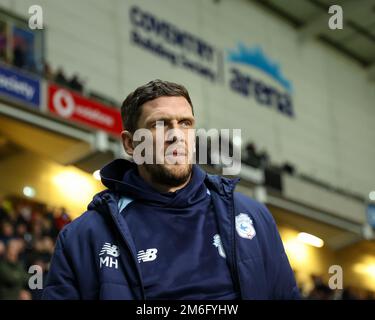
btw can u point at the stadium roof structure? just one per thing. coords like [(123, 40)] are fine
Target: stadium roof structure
[(310, 17)]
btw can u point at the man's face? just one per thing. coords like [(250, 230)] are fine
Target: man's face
[(169, 119)]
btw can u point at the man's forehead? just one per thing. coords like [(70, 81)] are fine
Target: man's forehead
[(166, 107)]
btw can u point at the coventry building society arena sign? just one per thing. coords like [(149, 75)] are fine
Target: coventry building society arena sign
[(185, 50)]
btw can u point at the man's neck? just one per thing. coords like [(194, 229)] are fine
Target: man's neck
[(162, 188)]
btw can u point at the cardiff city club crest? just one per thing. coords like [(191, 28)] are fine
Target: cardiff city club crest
[(244, 226)]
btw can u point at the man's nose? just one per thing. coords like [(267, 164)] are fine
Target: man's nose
[(174, 124), (175, 135)]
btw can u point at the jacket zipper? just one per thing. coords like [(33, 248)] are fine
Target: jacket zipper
[(234, 251), (131, 253)]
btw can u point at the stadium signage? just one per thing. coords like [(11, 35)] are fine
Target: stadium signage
[(173, 44), (274, 92), (18, 86), (74, 107), (250, 72)]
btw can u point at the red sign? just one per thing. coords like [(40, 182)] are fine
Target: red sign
[(77, 108)]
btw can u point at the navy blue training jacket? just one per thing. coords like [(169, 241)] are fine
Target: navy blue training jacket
[(258, 264)]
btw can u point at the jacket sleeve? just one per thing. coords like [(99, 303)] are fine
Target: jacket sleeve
[(61, 281), (281, 280)]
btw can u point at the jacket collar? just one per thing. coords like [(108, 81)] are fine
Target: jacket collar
[(112, 174)]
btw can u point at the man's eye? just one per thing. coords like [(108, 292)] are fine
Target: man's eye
[(157, 124), (186, 123)]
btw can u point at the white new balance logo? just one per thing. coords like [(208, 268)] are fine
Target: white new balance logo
[(111, 252), (149, 255)]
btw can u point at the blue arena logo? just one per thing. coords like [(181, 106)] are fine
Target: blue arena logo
[(256, 58), (246, 85)]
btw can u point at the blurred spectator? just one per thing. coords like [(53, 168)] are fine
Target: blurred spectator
[(47, 71), (264, 159), (320, 290), (61, 218), (3, 40), (13, 277), (3, 212), (28, 232), (288, 168), (19, 58), (75, 84), (251, 158), (21, 230), (43, 249), (50, 223), (24, 295), (2, 249), (24, 213), (7, 232), (348, 293), (60, 78)]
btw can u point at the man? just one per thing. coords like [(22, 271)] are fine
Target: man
[(166, 229)]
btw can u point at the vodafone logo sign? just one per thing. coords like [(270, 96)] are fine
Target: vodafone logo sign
[(63, 103), (74, 107), (65, 106)]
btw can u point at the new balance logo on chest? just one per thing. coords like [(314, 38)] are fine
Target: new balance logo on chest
[(108, 256), (148, 255)]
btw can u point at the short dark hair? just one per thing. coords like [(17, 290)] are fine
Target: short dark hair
[(131, 107)]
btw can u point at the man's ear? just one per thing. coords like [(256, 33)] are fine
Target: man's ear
[(127, 142)]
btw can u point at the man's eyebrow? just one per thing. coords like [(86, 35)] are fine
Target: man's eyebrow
[(168, 118)]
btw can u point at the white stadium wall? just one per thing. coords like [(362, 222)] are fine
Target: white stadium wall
[(331, 133)]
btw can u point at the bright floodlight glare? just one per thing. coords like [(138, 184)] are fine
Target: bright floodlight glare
[(96, 175), (310, 239), (29, 191)]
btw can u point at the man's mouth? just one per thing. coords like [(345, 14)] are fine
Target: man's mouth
[(179, 153), (176, 153)]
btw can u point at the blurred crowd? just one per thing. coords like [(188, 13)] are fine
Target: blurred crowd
[(59, 77), (251, 155), (261, 159), (321, 291), (28, 232)]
